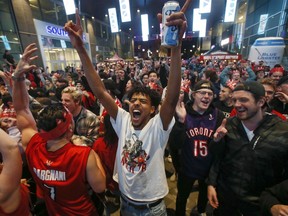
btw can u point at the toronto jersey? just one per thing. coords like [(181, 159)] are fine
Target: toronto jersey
[(61, 175), (196, 158)]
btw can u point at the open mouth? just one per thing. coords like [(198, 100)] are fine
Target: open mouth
[(205, 102), (241, 110), (136, 114)]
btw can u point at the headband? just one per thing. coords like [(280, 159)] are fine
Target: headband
[(60, 129)]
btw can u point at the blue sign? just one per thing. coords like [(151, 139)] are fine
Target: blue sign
[(279, 42)]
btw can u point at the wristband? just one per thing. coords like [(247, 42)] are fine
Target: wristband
[(18, 78)]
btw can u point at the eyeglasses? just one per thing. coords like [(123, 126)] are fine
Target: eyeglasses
[(203, 93)]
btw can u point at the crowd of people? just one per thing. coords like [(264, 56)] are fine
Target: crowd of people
[(97, 131)]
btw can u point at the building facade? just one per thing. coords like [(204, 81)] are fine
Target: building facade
[(41, 22), (254, 19)]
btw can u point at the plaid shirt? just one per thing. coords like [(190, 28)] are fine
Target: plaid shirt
[(86, 127)]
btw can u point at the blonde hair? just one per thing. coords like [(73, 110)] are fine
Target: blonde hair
[(74, 92)]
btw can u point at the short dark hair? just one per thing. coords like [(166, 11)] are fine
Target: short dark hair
[(135, 83), (152, 94), (62, 80), (80, 82), (47, 118), (6, 98), (212, 75), (142, 76), (153, 71)]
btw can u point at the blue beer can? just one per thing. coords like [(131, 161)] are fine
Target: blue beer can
[(169, 36)]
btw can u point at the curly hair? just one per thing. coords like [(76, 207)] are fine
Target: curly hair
[(152, 94)]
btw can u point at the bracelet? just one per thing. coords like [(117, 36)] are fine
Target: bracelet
[(18, 79)]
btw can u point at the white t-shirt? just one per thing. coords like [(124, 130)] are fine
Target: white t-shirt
[(250, 134), (139, 165)]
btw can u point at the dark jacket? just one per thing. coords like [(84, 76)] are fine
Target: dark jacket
[(243, 168), (280, 106), (275, 195)]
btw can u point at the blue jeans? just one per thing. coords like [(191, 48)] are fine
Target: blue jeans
[(129, 210)]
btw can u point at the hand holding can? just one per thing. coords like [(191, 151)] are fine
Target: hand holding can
[(169, 36), (172, 22)]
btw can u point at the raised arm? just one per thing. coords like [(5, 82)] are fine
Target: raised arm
[(224, 75), (25, 120), (75, 32), (174, 81), (12, 169), (252, 75)]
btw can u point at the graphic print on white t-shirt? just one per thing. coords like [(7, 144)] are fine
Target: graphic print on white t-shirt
[(133, 156)]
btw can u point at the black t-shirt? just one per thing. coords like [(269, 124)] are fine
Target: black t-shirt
[(224, 108), (75, 118)]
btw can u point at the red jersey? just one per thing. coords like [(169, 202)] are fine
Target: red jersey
[(23, 208), (61, 175), (104, 113), (88, 101), (107, 155)]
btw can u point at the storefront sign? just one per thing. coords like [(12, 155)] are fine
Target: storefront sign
[(59, 31), (54, 30)]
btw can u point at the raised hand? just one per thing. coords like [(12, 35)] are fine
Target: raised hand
[(221, 131), (178, 19), (181, 111), (6, 76), (75, 31), (24, 65), (282, 97)]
